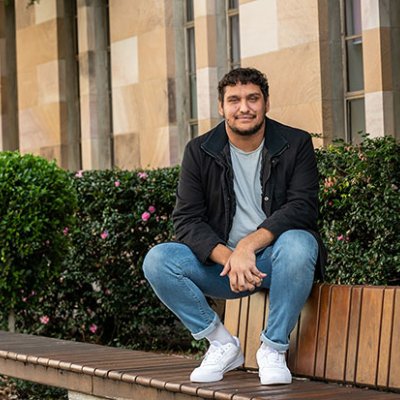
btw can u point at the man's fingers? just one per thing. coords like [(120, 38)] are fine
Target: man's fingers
[(241, 283), (255, 271), (226, 269), (250, 278)]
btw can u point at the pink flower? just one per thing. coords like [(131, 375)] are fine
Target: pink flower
[(24, 299), (104, 234), (79, 174), (340, 237), (152, 209), (117, 183), (93, 328), (44, 319), (107, 292), (65, 231), (142, 175), (329, 182), (145, 216), (330, 203)]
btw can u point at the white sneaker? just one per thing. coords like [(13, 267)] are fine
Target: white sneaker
[(272, 366), (218, 360)]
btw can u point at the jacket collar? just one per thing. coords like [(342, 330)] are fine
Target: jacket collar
[(218, 139)]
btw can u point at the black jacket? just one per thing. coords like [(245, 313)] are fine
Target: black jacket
[(205, 204)]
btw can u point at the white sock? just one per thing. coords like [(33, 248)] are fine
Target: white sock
[(221, 335)]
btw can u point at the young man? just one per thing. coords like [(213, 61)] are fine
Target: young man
[(245, 220)]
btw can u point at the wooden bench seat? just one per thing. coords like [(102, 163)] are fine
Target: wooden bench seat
[(347, 335), (117, 373)]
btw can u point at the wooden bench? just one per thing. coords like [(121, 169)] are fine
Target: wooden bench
[(345, 334), (348, 334)]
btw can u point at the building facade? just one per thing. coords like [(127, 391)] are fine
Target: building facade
[(97, 84)]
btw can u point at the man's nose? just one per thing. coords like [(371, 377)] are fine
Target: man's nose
[(244, 107)]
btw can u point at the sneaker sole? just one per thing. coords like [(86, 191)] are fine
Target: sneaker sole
[(218, 377), (235, 364), (283, 381)]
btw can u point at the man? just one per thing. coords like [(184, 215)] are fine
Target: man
[(245, 220)]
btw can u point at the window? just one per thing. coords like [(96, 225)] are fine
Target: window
[(191, 68), (354, 71), (233, 33)]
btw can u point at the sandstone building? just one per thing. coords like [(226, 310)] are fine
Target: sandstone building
[(102, 83)]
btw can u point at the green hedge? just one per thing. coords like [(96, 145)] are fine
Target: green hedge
[(101, 295), (360, 211), (36, 202)]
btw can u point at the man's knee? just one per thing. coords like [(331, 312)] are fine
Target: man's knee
[(296, 248), (155, 260), (152, 262), (161, 259)]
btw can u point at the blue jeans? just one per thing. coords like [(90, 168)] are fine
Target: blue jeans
[(182, 284)]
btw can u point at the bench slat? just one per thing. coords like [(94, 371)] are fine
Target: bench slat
[(323, 329), (304, 353), (386, 336), (370, 323), (232, 308), (394, 377), (243, 321), (354, 328), (255, 325), (338, 331)]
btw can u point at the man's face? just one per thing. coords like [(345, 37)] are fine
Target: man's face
[(244, 109)]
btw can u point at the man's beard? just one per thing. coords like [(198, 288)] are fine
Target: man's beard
[(247, 132)]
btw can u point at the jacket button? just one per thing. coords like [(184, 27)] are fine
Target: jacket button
[(266, 198)]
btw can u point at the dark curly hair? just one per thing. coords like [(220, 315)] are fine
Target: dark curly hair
[(244, 76)]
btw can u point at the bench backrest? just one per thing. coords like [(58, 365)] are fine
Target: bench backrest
[(345, 334)]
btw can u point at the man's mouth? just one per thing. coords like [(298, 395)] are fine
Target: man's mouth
[(245, 117)]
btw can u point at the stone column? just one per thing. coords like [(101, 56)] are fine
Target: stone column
[(332, 85), (377, 61), (9, 139), (95, 109), (47, 81), (206, 60)]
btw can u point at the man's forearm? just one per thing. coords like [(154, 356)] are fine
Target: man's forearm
[(256, 240), (253, 242), (220, 254)]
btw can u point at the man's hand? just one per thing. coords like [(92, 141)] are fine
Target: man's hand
[(241, 265), (242, 271)]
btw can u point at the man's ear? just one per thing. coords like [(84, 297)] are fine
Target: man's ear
[(267, 106), (220, 108)]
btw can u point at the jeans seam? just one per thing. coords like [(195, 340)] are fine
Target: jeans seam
[(198, 301)]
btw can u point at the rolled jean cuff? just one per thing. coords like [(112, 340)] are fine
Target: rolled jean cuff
[(273, 345), (202, 334)]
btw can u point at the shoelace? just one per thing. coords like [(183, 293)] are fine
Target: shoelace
[(214, 354), (273, 357)]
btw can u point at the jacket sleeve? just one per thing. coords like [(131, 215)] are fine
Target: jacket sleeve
[(300, 209), (190, 213)]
